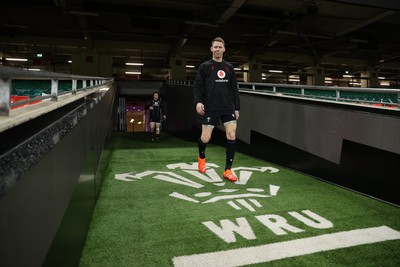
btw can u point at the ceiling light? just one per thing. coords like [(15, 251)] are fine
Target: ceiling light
[(133, 72), (385, 84), (134, 64), (16, 59), (276, 71), (190, 66)]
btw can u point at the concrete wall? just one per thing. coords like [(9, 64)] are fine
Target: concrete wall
[(318, 129), (33, 210), (321, 139), (91, 63)]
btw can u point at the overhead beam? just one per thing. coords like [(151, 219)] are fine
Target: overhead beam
[(230, 11), (386, 4), (366, 22)]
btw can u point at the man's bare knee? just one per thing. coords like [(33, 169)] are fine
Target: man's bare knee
[(206, 132), (231, 136), (205, 138)]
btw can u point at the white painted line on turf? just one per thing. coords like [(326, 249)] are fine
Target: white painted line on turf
[(286, 249)]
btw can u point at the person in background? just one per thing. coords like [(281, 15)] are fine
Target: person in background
[(157, 114), (216, 97)]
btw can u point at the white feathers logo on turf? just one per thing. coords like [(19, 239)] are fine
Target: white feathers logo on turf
[(238, 196), (247, 198)]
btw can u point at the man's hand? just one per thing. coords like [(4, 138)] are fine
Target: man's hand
[(237, 114), (200, 108), (151, 107)]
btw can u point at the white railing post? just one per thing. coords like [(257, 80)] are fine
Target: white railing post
[(74, 86), (54, 89), (5, 96)]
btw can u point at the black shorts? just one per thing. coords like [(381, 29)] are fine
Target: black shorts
[(155, 119), (214, 117)]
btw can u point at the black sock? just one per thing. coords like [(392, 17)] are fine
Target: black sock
[(202, 149), (230, 153)]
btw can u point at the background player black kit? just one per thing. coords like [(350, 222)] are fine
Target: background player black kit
[(157, 115)]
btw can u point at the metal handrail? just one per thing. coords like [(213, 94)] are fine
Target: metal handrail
[(338, 91), (257, 87), (9, 74)]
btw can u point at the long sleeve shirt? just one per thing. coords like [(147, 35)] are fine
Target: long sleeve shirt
[(216, 86), (158, 109)]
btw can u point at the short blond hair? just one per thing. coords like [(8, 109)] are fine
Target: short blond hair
[(217, 39)]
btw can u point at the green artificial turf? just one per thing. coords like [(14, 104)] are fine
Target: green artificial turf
[(138, 222)]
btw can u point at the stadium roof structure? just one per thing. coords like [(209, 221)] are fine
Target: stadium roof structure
[(289, 35)]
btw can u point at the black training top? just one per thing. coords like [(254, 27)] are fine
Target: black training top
[(158, 109), (216, 86)]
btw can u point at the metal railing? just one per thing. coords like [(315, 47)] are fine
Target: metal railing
[(369, 96), (10, 75), (365, 96)]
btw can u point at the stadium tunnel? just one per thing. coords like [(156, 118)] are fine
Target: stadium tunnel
[(56, 187)]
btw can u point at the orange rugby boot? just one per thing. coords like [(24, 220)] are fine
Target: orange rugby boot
[(228, 174), (201, 164)]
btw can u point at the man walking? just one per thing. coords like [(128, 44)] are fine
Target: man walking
[(216, 97), (157, 114)]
